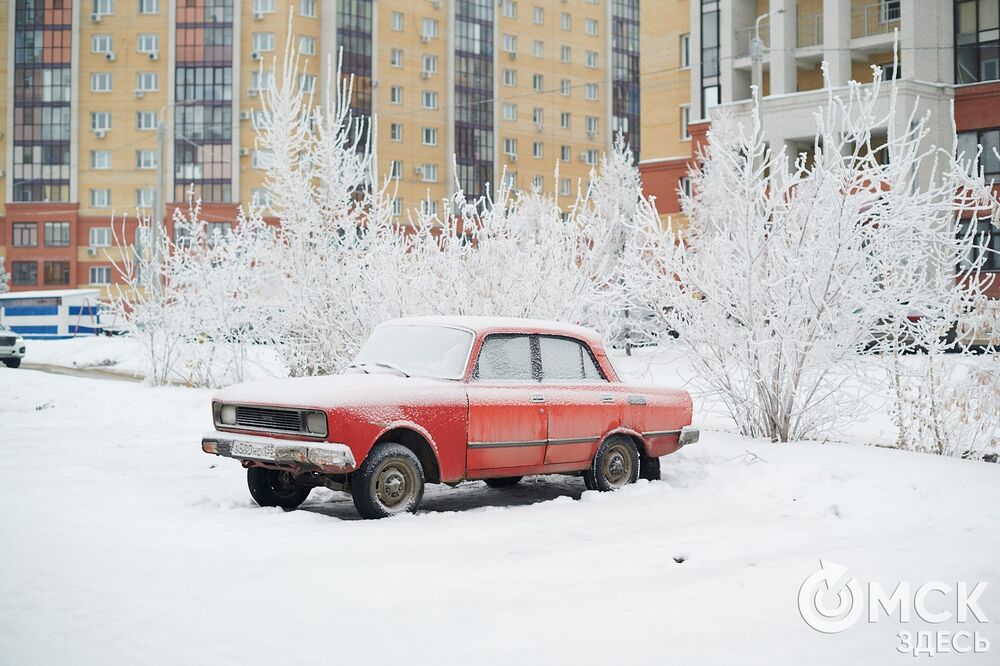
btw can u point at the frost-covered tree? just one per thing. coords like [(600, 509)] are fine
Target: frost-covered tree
[(790, 265), (4, 279)]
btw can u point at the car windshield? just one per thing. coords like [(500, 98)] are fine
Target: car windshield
[(427, 351)]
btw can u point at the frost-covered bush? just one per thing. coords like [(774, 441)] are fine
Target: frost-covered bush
[(4, 279), (790, 266)]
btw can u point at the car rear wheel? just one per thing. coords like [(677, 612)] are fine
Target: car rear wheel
[(12, 362), (503, 482), (390, 481), (271, 487), (615, 465)]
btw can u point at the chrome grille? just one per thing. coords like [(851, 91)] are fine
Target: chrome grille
[(267, 418), (7, 340)]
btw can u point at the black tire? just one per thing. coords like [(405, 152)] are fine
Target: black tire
[(615, 465), (503, 481), (649, 468), (389, 482), (12, 362), (270, 487)]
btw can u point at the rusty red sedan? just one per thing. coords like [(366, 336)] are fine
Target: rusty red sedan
[(445, 400)]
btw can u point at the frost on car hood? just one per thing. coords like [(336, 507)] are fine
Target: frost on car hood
[(346, 390)]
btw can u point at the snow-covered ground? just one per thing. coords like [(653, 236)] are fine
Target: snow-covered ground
[(124, 544)]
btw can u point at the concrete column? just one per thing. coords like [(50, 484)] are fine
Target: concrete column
[(924, 27), (697, 113), (734, 16), (782, 56), (837, 40)]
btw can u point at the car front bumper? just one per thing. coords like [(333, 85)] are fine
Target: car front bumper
[(17, 351), (689, 435), (328, 457)]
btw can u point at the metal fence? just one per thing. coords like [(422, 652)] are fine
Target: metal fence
[(875, 19)]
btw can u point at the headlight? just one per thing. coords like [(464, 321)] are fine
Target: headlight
[(316, 423), (227, 415)]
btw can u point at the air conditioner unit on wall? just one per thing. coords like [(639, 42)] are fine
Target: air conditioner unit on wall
[(91, 251), (255, 55), (258, 16), (253, 92), (100, 134), (109, 56), (140, 93), (244, 152), (95, 17), (154, 55), (245, 115)]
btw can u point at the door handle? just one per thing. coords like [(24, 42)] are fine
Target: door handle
[(537, 397)]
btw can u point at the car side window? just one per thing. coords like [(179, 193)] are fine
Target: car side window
[(564, 359), (505, 358)]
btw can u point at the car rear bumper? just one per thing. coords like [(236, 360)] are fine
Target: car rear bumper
[(328, 457), (689, 435)]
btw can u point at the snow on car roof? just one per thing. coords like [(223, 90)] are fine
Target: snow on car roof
[(482, 324)]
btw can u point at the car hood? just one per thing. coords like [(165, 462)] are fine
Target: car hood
[(352, 389)]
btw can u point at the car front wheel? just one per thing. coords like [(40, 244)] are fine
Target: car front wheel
[(390, 481), (615, 465), (271, 487), (12, 362)]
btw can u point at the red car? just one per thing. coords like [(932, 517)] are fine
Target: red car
[(444, 400)]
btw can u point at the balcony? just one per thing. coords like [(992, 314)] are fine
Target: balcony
[(809, 31), (874, 20), (743, 38)]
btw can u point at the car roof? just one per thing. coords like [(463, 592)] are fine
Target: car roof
[(482, 325)]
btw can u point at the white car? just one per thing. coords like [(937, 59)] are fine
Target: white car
[(11, 347)]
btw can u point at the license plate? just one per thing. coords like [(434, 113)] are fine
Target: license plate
[(255, 451)]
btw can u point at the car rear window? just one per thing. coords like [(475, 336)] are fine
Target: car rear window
[(564, 359)]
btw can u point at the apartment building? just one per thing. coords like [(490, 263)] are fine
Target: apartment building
[(949, 54), (92, 88)]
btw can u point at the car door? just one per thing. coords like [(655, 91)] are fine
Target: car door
[(581, 405), (507, 417)]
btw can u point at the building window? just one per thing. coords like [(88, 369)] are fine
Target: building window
[(145, 120), (101, 44), (307, 8), (593, 59), (104, 7), (685, 48), (977, 40), (430, 136), (396, 95), (538, 116), (100, 120), (100, 82), (590, 91), (100, 159), (148, 43), (564, 21), (510, 77), (307, 83), (263, 41), (685, 121), (509, 8), (510, 147), (429, 172), (149, 6), (989, 139), (25, 234), (145, 159), (428, 207), (430, 64), (100, 237), (397, 21), (987, 246), (565, 54), (537, 82), (397, 207), (537, 149), (564, 153), (430, 99), (564, 120), (144, 197), (538, 48), (396, 58), (396, 169), (590, 26), (56, 272), (537, 183), (100, 275), (592, 125), (396, 132), (57, 234), (307, 45), (538, 16), (564, 87), (100, 198), (509, 112), (430, 29), (147, 81), (24, 272), (564, 187), (684, 185), (510, 43), (263, 6)]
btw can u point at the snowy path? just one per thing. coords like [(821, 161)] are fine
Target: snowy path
[(124, 544)]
